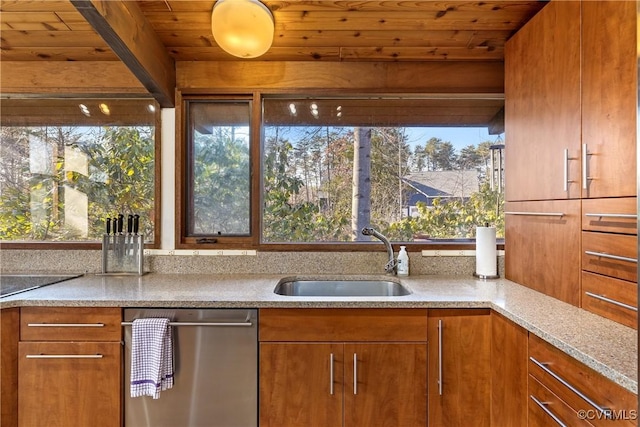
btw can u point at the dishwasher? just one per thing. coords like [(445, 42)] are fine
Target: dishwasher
[(216, 370)]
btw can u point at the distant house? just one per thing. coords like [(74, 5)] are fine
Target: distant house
[(446, 185)]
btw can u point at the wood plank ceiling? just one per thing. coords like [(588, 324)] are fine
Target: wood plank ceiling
[(54, 30)]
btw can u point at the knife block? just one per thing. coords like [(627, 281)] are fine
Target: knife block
[(123, 254)]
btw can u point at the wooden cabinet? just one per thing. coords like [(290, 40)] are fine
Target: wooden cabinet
[(70, 367), (508, 373), (459, 367), (570, 103), (542, 247), (562, 387), (542, 106), (609, 91), (609, 259), (9, 336), (335, 367)]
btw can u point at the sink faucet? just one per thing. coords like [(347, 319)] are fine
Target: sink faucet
[(392, 264)]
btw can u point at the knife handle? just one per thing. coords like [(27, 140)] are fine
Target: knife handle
[(108, 226), (129, 224), (136, 223), (120, 223), (115, 226)]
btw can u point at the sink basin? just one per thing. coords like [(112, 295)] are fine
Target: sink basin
[(341, 288)]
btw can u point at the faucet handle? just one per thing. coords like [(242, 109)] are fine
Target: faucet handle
[(391, 266)]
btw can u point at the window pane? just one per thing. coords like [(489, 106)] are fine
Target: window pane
[(219, 175), (67, 164), (416, 170)]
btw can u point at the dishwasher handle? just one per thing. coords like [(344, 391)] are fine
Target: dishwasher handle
[(246, 324)]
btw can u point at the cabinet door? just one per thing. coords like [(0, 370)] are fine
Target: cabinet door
[(542, 247), (609, 82), (509, 358), (301, 384), (542, 106), (386, 384), (459, 367), (69, 384)]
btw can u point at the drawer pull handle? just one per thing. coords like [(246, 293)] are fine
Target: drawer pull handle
[(612, 301), (543, 406), (605, 411), (612, 215), (609, 256), (64, 356), (66, 325), (558, 214)]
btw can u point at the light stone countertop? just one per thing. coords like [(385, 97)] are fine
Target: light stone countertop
[(607, 347)]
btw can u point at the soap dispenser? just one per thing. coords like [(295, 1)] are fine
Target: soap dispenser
[(403, 262)]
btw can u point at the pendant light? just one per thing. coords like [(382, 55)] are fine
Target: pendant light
[(243, 28)]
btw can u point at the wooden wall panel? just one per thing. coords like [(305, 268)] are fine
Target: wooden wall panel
[(379, 77), (61, 77)]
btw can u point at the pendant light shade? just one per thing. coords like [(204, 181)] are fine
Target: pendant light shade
[(243, 28)]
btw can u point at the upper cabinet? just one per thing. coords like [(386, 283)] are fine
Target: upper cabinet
[(609, 81), (570, 103), (542, 106)]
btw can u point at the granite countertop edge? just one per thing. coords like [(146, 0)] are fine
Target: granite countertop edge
[(605, 346)]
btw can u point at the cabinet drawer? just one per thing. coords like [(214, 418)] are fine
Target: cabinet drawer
[(325, 324), (579, 386), (612, 298), (70, 324), (613, 255), (610, 215), (547, 409)]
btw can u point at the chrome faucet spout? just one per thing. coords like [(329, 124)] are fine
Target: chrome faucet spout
[(392, 264)]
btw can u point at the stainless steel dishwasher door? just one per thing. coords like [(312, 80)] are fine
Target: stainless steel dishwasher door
[(216, 371)]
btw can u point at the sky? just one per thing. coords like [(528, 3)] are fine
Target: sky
[(460, 137)]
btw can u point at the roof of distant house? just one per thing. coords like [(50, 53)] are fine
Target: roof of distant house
[(444, 184)]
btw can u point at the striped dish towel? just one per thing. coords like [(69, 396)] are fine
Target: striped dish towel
[(151, 357)]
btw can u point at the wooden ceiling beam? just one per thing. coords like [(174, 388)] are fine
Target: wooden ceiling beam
[(126, 30)]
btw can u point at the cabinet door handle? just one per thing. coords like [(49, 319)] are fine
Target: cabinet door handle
[(585, 166), (609, 256), (65, 325), (612, 301), (440, 357), (558, 214), (355, 373), (605, 411), (64, 356), (543, 406), (331, 374)]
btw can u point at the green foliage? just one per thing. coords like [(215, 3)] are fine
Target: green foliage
[(114, 171)]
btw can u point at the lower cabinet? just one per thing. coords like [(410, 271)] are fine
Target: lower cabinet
[(459, 367), (355, 367), (69, 367), (563, 391)]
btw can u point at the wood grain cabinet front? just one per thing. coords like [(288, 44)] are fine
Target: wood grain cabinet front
[(70, 367), (459, 367), (324, 380), (586, 394)]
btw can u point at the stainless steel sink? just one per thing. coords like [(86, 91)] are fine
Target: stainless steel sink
[(341, 288)]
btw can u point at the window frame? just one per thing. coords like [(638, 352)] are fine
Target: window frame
[(254, 241), (157, 208)]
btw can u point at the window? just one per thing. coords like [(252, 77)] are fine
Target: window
[(284, 172), (68, 164), (334, 166), (218, 195)]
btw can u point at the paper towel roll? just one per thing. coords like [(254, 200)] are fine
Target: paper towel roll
[(486, 253)]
